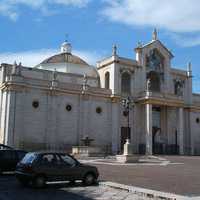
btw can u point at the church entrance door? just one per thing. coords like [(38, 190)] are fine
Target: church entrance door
[(125, 134)]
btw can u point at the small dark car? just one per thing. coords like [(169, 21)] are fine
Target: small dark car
[(9, 159), (37, 168), (3, 146)]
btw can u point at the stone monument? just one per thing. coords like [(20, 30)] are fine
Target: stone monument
[(127, 156)]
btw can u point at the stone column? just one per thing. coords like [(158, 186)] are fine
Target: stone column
[(181, 148), (148, 108)]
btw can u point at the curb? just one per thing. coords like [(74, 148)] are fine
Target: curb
[(145, 193)]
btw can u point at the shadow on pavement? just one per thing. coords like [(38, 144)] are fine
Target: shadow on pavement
[(10, 189)]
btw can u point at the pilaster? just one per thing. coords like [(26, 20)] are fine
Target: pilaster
[(148, 129), (181, 137)]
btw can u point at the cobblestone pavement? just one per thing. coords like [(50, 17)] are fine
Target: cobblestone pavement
[(181, 176), (11, 190)]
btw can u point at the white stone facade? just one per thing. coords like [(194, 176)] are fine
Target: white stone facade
[(45, 109)]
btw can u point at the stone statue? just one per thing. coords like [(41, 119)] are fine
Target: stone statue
[(148, 84), (16, 69), (85, 81), (179, 87), (55, 74)]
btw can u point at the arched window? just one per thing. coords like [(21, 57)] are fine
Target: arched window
[(107, 80), (154, 81), (126, 83)]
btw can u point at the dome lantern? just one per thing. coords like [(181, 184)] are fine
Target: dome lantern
[(66, 47)]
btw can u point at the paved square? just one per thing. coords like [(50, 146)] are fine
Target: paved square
[(181, 177)]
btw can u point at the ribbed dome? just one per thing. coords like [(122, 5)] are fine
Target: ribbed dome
[(64, 58)]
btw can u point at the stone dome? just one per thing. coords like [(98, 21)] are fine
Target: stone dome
[(68, 63), (64, 58)]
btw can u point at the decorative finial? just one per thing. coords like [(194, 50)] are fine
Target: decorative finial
[(139, 44), (189, 69), (114, 50), (189, 66), (15, 63), (16, 69), (155, 34)]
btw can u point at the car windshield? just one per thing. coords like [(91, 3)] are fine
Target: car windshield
[(68, 160), (29, 158)]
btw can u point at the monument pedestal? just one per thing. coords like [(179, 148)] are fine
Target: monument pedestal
[(127, 158)]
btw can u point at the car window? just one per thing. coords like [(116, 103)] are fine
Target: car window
[(48, 159), (68, 160), (29, 158)]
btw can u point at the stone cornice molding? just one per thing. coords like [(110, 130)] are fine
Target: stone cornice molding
[(21, 87)]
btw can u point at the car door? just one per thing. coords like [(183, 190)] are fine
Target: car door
[(48, 165), (69, 167)]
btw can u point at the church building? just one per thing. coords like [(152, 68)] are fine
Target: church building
[(64, 101)]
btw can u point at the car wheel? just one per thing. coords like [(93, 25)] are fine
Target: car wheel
[(89, 179), (39, 182)]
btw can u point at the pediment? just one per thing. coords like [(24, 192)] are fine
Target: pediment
[(157, 44)]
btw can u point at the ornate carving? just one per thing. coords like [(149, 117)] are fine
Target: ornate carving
[(122, 70)]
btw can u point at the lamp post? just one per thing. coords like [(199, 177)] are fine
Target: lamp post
[(127, 104)]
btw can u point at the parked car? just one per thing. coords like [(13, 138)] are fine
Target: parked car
[(37, 168), (3, 146), (9, 159)]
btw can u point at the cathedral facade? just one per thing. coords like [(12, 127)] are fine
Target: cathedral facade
[(63, 101)]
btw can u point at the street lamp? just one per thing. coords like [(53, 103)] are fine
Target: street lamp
[(127, 104)]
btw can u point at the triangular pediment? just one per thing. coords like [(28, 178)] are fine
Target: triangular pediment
[(158, 45)]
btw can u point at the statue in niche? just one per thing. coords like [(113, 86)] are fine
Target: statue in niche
[(148, 84), (153, 81), (154, 61), (178, 87)]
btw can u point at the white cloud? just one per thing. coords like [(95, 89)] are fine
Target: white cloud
[(176, 15), (32, 58), (185, 40), (10, 8)]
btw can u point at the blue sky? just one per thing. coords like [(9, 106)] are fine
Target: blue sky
[(32, 30)]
